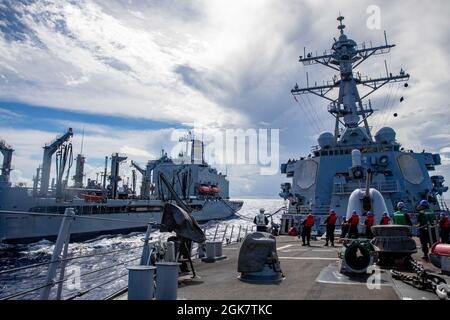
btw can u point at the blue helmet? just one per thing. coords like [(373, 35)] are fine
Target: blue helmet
[(424, 203)]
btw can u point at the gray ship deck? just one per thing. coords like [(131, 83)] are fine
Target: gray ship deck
[(310, 274)]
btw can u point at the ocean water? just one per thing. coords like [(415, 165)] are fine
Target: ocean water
[(127, 251)]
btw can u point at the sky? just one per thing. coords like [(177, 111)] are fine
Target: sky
[(131, 73)]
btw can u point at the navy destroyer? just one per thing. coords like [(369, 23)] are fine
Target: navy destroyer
[(352, 157), (201, 187)]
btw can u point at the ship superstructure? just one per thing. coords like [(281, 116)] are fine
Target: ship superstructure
[(199, 185), (326, 178)]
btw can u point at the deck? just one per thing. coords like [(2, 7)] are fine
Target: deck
[(310, 274)]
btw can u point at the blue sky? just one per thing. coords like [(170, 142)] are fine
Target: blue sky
[(25, 116), (130, 72)]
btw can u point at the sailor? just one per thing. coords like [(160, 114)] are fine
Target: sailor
[(385, 220), (425, 219), (344, 227), (444, 225), (330, 223), (401, 216), (307, 224), (261, 221), (353, 221), (369, 222)]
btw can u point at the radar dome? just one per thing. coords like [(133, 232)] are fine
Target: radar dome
[(326, 140), (385, 135)]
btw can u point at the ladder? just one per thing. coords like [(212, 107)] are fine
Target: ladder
[(442, 204)]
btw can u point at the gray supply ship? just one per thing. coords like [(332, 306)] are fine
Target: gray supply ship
[(204, 189), (351, 156)]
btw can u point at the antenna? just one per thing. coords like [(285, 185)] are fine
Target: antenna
[(82, 141)]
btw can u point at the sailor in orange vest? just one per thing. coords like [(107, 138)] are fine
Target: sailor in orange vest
[(444, 225), (385, 220), (307, 224), (330, 222), (353, 221), (369, 222)]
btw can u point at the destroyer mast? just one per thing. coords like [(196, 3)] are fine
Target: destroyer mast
[(348, 108), (352, 157)]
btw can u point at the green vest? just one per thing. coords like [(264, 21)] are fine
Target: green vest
[(426, 216), (399, 218)]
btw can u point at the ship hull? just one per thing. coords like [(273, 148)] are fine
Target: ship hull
[(28, 228)]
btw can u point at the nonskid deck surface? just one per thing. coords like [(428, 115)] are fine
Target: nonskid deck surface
[(301, 267), (311, 273)]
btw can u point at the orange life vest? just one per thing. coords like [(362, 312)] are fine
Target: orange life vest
[(369, 221), (444, 223), (331, 219), (385, 220), (292, 231), (354, 220), (309, 222)]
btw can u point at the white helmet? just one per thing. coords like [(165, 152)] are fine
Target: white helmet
[(400, 205)]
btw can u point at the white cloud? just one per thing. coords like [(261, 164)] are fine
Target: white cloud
[(94, 62), (136, 152), (8, 114), (223, 64)]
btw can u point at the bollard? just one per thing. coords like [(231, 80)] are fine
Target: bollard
[(213, 251), (170, 253), (140, 282), (210, 249), (217, 249), (166, 280)]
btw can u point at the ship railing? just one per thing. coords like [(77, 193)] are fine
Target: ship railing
[(230, 234), (60, 259), (319, 226), (383, 187), (339, 108)]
